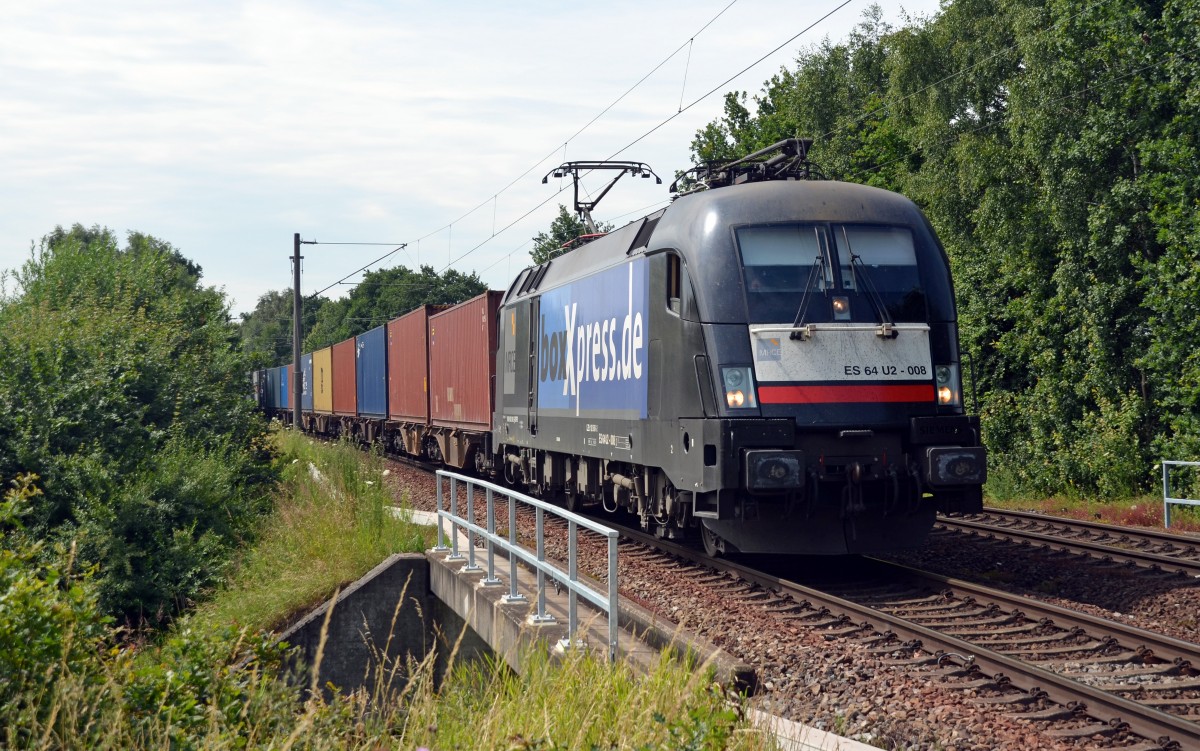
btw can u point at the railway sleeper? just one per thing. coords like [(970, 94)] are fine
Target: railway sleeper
[(1085, 731), (1126, 688), (991, 684), (918, 601), (1105, 660), (1085, 647), (968, 633), (914, 662), (942, 625), (969, 670), (1050, 714), (1152, 746), (870, 641), (1044, 639), (845, 630), (1151, 670), (826, 623), (784, 609), (1014, 697), (932, 610)]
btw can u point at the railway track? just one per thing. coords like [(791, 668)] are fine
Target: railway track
[(1104, 678), (1141, 547), (1087, 675)]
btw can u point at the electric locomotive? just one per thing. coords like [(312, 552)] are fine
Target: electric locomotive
[(770, 363)]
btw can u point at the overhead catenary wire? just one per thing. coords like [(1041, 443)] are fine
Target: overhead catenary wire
[(727, 81), (552, 152), (383, 257), (586, 125), (640, 138)]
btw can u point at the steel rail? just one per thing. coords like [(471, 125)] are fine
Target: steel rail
[(1160, 646), (1140, 719), (1161, 538), (1157, 560)]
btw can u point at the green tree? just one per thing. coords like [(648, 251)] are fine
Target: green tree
[(386, 294), (267, 330), (564, 229), (125, 391)]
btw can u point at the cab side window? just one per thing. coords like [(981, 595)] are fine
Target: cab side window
[(674, 283)]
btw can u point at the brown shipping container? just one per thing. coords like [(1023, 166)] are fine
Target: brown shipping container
[(408, 365), (345, 381), (323, 381), (462, 363)]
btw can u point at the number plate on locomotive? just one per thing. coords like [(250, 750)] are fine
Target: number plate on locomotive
[(841, 353)]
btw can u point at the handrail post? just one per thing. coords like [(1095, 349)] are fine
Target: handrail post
[(1168, 499), (613, 597), (454, 554), (441, 543), (1166, 495), (541, 616), (490, 579), (471, 565), (513, 595), (573, 575)]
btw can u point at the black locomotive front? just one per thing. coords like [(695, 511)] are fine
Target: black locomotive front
[(773, 365), (831, 335)]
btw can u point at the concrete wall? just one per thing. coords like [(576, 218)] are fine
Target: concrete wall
[(376, 627)]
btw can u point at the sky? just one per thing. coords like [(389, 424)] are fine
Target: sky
[(226, 127)]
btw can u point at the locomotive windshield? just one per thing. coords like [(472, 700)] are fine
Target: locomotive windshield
[(876, 267)]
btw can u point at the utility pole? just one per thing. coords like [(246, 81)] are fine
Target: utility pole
[(297, 305)]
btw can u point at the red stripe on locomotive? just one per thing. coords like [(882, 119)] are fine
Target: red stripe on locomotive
[(846, 394)]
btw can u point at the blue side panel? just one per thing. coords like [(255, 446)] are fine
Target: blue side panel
[(593, 345), (370, 350), (306, 397), (285, 388)]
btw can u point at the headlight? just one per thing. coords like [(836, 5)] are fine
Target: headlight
[(953, 465), (768, 469), (949, 388), (739, 387)]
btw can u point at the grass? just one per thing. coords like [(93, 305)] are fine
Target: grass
[(332, 524), (1133, 511), (582, 703), (213, 682)]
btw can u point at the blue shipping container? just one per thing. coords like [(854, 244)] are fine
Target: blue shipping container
[(370, 352), (306, 368)]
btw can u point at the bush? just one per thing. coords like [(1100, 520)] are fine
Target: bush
[(50, 628), (124, 389)]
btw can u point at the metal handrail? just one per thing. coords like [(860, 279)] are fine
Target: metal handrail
[(1167, 499), (606, 602)]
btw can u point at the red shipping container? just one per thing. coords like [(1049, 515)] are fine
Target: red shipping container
[(462, 363), (345, 380), (408, 365)]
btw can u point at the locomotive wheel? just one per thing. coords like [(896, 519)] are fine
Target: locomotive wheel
[(714, 546)]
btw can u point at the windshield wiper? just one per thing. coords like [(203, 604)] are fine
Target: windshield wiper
[(816, 272), (859, 270)]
